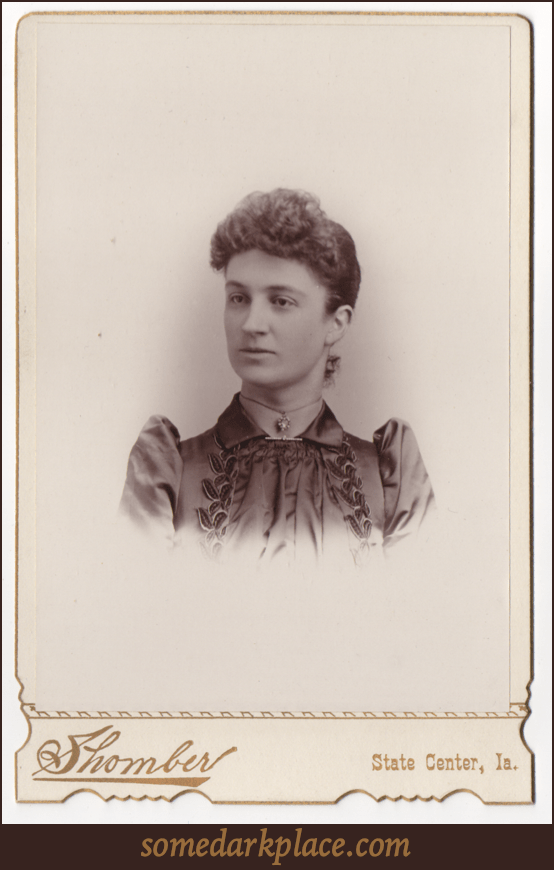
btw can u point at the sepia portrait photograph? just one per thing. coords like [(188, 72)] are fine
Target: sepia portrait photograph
[(269, 271)]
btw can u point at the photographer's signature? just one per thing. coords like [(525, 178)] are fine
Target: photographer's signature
[(89, 759)]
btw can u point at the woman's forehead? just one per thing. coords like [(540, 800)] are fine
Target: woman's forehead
[(256, 268)]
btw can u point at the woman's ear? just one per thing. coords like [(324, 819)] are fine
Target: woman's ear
[(340, 321)]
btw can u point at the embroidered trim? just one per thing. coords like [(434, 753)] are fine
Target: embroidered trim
[(351, 493), (219, 493)]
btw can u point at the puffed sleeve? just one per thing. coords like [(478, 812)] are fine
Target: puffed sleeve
[(153, 478), (407, 489)]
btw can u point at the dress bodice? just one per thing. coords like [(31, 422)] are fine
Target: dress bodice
[(237, 493)]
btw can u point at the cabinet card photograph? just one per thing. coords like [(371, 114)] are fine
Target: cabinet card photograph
[(273, 332)]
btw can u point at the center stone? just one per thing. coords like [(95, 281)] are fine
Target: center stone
[(283, 423)]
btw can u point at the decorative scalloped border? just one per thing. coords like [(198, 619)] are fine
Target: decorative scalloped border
[(516, 711)]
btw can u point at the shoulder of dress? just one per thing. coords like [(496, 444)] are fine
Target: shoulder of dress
[(390, 436), (160, 434), (392, 432), (160, 428)]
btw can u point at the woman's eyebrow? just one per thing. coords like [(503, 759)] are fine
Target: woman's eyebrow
[(287, 288), (271, 288)]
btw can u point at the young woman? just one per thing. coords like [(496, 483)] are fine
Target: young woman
[(277, 478)]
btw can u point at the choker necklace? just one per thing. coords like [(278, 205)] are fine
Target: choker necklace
[(283, 421)]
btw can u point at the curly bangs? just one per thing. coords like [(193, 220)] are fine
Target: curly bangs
[(291, 224)]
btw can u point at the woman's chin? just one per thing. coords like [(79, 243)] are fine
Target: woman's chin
[(257, 376), (266, 383)]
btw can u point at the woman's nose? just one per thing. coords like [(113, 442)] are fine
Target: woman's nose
[(256, 319)]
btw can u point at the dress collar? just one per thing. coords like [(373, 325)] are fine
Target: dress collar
[(234, 427)]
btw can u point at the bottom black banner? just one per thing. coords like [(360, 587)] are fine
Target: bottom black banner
[(272, 845)]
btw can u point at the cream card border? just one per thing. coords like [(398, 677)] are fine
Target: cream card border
[(284, 757)]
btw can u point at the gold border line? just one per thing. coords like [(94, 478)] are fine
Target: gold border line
[(282, 716)]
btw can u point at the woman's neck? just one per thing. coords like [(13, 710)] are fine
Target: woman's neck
[(283, 399), (279, 423)]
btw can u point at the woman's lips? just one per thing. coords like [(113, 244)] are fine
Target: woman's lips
[(255, 350)]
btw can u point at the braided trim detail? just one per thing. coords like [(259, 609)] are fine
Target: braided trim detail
[(219, 492), (351, 492)]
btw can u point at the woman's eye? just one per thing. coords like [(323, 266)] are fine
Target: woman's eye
[(237, 298), (282, 302)]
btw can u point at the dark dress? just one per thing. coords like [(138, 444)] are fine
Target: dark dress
[(234, 491)]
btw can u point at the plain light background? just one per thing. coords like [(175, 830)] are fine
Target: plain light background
[(335, 403), (150, 134)]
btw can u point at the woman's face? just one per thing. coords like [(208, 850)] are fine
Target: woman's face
[(278, 333)]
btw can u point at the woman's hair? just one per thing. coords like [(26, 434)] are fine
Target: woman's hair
[(292, 225)]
